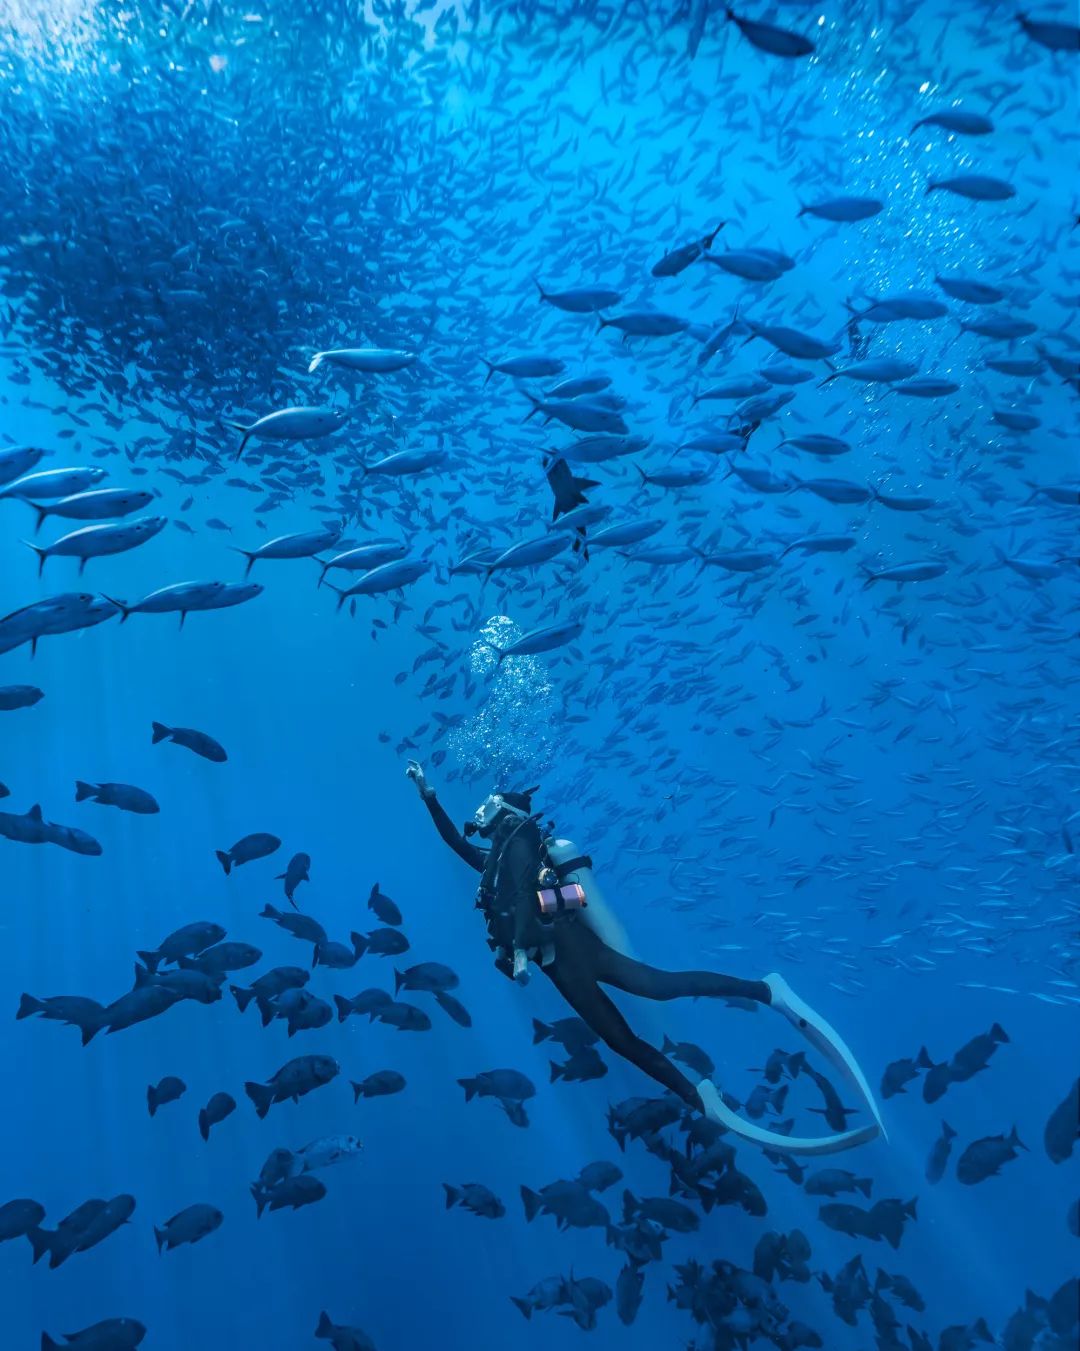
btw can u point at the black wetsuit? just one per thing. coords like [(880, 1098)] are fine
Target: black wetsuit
[(582, 961)]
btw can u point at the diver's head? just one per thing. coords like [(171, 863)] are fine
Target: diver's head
[(496, 808)]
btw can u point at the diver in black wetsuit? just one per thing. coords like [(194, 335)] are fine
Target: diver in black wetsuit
[(577, 961)]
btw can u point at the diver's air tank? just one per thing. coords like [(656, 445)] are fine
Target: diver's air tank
[(596, 914)]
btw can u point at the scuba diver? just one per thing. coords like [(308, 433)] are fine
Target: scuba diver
[(535, 892)]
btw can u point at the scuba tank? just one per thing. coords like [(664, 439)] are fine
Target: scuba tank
[(574, 868)]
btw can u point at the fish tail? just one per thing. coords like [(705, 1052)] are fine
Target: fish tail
[(225, 859), (557, 1071), (344, 1008), (532, 1203), (316, 362), (491, 369), (159, 732), (539, 287), (245, 434), (42, 512), (522, 1304), (261, 1096), (40, 1242), (242, 996), (83, 790), (204, 1125), (453, 1195), (469, 1085), (325, 1328), (42, 554), (125, 610), (340, 593), (149, 959), (29, 1004), (707, 242), (541, 1031)]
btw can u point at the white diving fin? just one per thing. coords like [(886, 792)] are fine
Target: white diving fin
[(717, 1110), (824, 1039)]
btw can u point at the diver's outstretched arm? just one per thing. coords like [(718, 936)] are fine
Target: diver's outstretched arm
[(470, 853)]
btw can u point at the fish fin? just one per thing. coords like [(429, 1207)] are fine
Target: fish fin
[(42, 554), (159, 732), (40, 1242), (124, 609), (261, 1096), (242, 996), (249, 554), (453, 1195), (522, 1304), (325, 1328), (532, 1203), (224, 859), (28, 1005), (83, 790)]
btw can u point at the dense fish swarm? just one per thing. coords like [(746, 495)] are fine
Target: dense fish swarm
[(672, 404)]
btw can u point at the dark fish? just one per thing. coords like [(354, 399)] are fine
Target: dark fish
[(246, 850), (475, 1198), (222, 958), (188, 1226), (19, 696), (381, 942), (198, 742), (341, 1336), (768, 38), (292, 1193), (217, 1109), (1063, 1126), (168, 1089), (985, 1158), (897, 1074), (114, 1334), (121, 795), (72, 1010), (17, 1218), (939, 1154), (569, 491), (269, 985), (294, 1079), (298, 871), (378, 1085), (454, 1008), (382, 907)]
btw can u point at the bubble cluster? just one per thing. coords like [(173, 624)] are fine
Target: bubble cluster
[(508, 738)]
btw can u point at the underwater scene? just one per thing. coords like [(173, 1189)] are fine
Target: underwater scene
[(539, 685)]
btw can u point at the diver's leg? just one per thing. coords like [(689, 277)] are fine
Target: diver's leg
[(615, 968), (578, 987)]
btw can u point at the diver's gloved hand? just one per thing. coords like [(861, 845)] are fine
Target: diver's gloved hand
[(415, 771)]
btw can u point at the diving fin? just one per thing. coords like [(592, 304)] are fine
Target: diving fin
[(824, 1039), (716, 1109)]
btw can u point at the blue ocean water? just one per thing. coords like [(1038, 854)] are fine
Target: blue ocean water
[(778, 759)]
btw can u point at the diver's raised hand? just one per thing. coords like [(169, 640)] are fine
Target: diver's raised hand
[(415, 770)]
